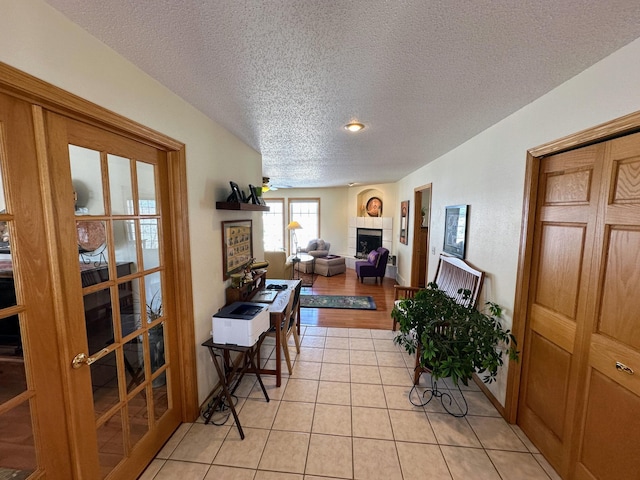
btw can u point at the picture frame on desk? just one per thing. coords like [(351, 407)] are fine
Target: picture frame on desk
[(237, 246)]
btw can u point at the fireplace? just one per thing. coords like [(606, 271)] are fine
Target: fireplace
[(367, 239)]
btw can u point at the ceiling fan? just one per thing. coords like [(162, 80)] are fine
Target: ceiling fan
[(266, 185)]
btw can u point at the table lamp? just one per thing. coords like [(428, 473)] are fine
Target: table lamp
[(294, 226)]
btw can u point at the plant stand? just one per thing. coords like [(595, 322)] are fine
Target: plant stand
[(445, 397)]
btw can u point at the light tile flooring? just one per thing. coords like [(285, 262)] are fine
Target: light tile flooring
[(345, 413)]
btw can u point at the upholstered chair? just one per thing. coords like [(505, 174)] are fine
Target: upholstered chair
[(374, 266)]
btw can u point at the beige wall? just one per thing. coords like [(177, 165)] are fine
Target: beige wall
[(38, 40), (487, 172)]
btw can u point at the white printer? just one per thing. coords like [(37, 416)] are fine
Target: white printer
[(241, 323)]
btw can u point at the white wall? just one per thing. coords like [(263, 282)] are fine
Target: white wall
[(487, 172), (38, 40)]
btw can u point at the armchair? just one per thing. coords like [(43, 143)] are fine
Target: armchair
[(374, 266), (317, 248), (278, 265)]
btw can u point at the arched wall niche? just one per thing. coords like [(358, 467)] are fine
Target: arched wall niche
[(370, 203)]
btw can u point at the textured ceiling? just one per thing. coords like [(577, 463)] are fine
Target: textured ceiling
[(285, 76)]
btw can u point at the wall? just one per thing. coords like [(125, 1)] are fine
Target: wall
[(38, 40), (487, 172)]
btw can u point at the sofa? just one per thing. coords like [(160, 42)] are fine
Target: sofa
[(278, 267)]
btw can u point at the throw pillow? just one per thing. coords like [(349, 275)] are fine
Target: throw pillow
[(321, 245), (373, 258), (311, 246)]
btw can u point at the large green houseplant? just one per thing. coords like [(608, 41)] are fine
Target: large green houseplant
[(455, 341)]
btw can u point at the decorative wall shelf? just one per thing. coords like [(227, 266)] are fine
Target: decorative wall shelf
[(241, 206)]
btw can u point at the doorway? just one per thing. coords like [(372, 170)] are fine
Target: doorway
[(92, 323), (422, 218)]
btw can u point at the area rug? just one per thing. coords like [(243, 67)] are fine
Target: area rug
[(338, 301)]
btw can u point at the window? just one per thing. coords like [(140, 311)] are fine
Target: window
[(148, 226), (273, 225), (306, 211)]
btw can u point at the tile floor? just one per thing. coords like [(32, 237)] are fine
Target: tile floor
[(345, 413)]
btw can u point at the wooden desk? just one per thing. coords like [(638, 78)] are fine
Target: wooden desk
[(276, 315)]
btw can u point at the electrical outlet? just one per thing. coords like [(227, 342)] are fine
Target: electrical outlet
[(433, 250)]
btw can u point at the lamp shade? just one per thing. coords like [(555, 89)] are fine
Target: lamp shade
[(294, 226)]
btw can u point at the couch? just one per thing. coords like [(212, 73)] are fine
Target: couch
[(278, 267), (374, 266)]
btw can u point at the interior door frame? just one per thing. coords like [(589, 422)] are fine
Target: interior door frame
[(417, 222), (605, 131), (24, 86)]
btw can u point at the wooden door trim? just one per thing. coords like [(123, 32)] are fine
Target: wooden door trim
[(42, 94), (27, 87), (615, 128), (417, 222)]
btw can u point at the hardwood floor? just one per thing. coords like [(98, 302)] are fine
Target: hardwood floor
[(348, 284)]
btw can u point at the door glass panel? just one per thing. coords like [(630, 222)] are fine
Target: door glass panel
[(18, 452), (98, 316), (120, 184), (92, 245), (156, 346), (138, 418), (13, 379), (130, 315), (87, 180), (104, 380), (110, 444), (146, 188), (149, 237), (153, 293), (134, 362), (160, 398), (124, 240)]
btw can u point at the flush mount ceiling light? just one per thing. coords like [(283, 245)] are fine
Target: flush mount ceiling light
[(354, 126)]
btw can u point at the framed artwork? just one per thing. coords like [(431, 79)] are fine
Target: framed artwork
[(404, 222), (374, 207), (455, 230), (237, 246)]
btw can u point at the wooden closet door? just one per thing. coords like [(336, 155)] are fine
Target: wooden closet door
[(608, 439), (559, 307)]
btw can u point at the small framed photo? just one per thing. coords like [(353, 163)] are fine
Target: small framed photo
[(455, 230), (236, 194), (404, 222)]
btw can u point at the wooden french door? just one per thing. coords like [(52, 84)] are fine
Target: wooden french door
[(89, 372), (580, 390), (109, 194)]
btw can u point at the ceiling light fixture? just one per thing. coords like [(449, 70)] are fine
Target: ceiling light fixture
[(354, 126)]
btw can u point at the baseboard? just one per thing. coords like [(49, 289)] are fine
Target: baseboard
[(490, 396)]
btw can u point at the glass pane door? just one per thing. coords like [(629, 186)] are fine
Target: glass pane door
[(126, 309)]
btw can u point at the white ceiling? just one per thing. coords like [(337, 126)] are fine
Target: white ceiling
[(285, 76)]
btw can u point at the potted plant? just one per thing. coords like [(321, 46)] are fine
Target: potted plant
[(455, 341), (423, 212)]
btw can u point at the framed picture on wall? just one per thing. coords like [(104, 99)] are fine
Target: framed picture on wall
[(237, 246), (404, 222), (455, 230)]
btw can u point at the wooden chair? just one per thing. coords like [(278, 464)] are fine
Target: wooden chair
[(290, 325), (452, 275)]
